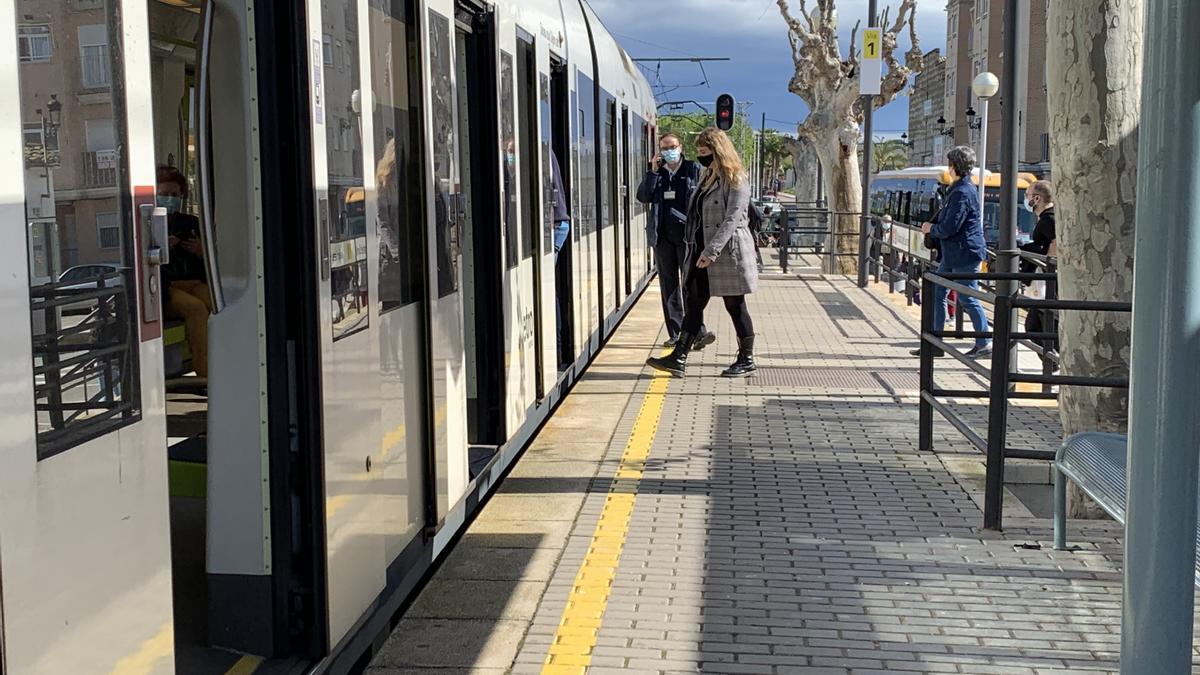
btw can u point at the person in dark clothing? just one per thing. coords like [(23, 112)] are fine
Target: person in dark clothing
[(1039, 198), (667, 189), (719, 261), (958, 231), (561, 207), (561, 214), (184, 278)]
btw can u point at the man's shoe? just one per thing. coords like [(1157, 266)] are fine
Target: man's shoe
[(704, 339), (980, 351), (675, 362), (937, 353), (744, 365), (670, 342)]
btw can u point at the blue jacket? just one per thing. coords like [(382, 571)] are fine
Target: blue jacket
[(651, 190), (958, 227)]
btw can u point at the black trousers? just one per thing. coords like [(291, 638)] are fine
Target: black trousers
[(697, 299), (672, 258)]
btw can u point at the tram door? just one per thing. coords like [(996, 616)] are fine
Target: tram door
[(347, 294), (450, 212), (84, 531)]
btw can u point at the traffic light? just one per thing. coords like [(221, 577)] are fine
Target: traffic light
[(724, 112)]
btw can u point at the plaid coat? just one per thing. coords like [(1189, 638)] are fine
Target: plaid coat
[(723, 212)]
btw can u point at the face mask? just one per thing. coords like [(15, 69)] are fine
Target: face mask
[(671, 156), (171, 203), (705, 160), (886, 226), (1028, 204)]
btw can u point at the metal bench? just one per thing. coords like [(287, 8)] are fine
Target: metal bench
[(1095, 462)]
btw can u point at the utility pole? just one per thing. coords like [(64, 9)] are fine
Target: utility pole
[(868, 104), (1164, 422), (762, 154)]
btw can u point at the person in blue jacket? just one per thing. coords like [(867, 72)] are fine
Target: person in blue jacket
[(959, 233), (667, 188)]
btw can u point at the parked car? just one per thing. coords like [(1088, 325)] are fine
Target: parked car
[(85, 277)]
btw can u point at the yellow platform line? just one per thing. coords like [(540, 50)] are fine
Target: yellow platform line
[(245, 665), (579, 627)]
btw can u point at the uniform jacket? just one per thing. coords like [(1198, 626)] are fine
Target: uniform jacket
[(722, 211), (655, 183), (958, 227)]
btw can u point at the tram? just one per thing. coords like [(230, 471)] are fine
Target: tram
[(914, 195), (370, 184)]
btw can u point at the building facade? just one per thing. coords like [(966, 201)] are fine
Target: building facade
[(974, 44), (927, 145)]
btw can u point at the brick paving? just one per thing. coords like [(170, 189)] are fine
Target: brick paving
[(787, 524)]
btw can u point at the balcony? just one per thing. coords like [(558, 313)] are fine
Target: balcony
[(99, 169)]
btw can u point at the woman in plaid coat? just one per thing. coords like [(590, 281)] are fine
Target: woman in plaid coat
[(722, 253)]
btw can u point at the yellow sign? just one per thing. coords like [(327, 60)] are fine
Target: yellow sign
[(872, 43)]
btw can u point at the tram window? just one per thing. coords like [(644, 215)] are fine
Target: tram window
[(445, 198), (347, 196), (611, 189), (587, 155), (527, 155), (398, 172), (82, 286), (508, 150)]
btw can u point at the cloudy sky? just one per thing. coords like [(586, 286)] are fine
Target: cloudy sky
[(753, 35)]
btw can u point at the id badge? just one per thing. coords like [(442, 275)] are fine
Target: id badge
[(669, 194)]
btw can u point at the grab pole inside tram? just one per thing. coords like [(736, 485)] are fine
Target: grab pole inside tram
[(1164, 424)]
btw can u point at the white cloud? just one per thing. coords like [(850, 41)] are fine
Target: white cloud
[(745, 18)]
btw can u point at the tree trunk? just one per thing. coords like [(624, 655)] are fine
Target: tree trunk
[(804, 167), (838, 153), (1094, 81)]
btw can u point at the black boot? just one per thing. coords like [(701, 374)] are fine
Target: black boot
[(745, 359), (675, 362), (703, 339)]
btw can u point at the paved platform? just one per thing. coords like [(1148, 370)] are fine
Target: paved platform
[(783, 523)]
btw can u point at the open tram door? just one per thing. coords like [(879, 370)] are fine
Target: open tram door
[(84, 535)]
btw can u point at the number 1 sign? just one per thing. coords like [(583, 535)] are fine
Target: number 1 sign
[(872, 62)]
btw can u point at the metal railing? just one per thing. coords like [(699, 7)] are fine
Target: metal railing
[(83, 369), (807, 227), (1000, 375)]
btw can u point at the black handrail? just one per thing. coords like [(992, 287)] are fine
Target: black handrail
[(999, 376)]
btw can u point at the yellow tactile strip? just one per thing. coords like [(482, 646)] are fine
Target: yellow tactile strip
[(571, 650)]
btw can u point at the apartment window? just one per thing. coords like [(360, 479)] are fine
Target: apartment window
[(34, 44), (327, 49), (1045, 147), (108, 230), (927, 107), (93, 57)]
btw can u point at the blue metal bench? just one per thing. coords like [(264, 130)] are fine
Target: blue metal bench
[(1095, 462)]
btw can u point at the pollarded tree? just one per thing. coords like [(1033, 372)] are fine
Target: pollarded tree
[(828, 82), (1094, 84)]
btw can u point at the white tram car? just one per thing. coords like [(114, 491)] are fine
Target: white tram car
[(372, 186)]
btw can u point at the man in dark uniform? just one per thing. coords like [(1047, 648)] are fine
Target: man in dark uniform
[(1039, 198), (667, 188)]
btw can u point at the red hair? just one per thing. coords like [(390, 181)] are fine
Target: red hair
[(169, 174)]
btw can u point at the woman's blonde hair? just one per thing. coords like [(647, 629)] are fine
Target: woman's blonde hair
[(727, 164)]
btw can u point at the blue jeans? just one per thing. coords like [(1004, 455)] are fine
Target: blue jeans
[(561, 230), (972, 306)]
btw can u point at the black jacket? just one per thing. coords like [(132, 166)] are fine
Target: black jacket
[(1044, 234), (184, 265), (651, 191)]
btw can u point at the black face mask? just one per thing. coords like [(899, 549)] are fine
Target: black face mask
[(705, 160)]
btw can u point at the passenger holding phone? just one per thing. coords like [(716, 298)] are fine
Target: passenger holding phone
[(667, 189), (184, 277)]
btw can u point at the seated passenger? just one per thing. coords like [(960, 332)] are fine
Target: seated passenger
[(183, 278)]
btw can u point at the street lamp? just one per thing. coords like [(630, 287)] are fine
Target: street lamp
[(51, 121), (985, 86)]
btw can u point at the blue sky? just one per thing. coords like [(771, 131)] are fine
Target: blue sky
[(752, 33)]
